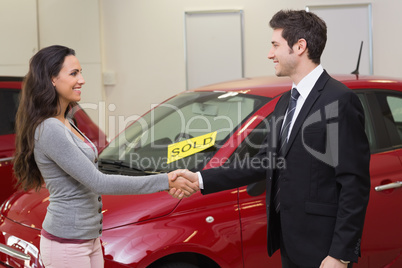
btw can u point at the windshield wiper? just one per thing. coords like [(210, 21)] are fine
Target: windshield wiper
[(119, 166)]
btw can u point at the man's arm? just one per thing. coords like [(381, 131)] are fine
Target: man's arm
[(245, 172), (353, 179)]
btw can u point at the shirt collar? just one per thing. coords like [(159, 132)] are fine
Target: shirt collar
[(307, 83)]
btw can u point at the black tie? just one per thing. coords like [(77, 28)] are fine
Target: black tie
[(283, 140)]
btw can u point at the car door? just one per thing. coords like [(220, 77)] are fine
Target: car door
[(252, 207), (382, 243)]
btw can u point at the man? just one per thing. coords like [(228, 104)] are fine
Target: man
[(316, 203)]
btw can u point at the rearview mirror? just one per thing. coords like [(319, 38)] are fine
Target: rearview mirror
[(257, 188)]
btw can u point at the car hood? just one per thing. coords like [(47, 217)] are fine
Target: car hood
[(29, 208)]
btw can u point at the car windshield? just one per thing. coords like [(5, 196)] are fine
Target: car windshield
[(184, 132)]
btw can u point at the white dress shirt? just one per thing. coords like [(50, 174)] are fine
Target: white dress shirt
[(304, 88)]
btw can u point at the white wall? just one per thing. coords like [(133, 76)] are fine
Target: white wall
[(28, 25), (387, 20), (19, 35), (144, 44), (141, 42)]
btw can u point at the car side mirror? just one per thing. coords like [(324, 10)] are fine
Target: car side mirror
[(257, 188)]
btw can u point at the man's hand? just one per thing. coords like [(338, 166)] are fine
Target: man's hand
[(182, 184), (330, 262), (192, 181)]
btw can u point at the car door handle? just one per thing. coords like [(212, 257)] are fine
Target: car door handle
[(388, 186), (14, 253), (6, 161)]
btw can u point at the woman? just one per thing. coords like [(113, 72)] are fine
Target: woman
[(51, 149)]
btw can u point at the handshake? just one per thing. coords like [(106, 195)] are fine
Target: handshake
[(183, 183)]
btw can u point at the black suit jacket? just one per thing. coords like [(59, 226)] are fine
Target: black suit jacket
[(325, 181)]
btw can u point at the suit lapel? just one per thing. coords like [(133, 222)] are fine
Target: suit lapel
[(305, 110)]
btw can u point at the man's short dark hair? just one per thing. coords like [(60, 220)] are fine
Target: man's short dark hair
[(300, 24)]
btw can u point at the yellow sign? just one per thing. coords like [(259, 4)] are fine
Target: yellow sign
[(191, 146)]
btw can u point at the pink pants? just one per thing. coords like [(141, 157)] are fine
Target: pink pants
[(67, 255)]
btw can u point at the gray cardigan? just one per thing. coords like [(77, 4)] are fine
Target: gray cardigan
[(75, 184)]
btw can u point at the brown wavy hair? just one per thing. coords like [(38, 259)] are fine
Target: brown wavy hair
[(39, 101)]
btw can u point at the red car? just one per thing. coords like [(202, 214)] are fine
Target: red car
[(220, 123), (10, 88)]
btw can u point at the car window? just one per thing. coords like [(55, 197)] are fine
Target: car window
[(250, 146), (253, 142), (395, 107), (391, 108), (147, 143), (368, 122), (9, 99)]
